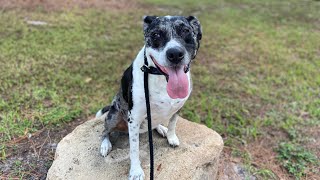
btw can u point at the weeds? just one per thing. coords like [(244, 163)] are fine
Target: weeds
[(296, 159)]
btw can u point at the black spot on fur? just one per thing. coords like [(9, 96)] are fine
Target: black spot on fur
[(158, 39), (112, 112), (148, 19), (126, 84), (105, 109), (155, 33)]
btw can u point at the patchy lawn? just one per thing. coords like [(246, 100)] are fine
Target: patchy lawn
[(256, 78)]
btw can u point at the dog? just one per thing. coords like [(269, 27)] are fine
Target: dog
[(171, 43)]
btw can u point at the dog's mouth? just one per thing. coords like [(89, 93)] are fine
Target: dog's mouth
[(178, 82)]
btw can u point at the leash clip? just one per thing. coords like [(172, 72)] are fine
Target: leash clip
[(145, 68)]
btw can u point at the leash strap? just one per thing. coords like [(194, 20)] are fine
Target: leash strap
[(155, 71), (146, 93)]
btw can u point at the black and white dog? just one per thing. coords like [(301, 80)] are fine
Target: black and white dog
[(171, 43)]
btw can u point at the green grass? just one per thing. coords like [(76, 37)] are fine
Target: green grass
[(258, 67), (296, 159), (67, 69)]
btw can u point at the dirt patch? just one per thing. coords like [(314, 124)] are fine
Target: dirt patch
[(49, 5), (231, 168), (31, 157), (264, 157)]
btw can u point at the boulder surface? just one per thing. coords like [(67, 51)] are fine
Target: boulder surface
[(197, 157)]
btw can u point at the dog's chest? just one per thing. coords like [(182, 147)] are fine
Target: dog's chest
[(162, 106)]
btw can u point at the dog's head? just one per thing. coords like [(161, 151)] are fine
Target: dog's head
[(171, 43)]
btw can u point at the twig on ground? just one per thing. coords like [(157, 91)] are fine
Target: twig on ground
[(43, 144), (19, 139)]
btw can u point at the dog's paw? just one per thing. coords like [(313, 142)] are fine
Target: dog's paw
[(136, 173), (173, 140), (105, 147), (162, 130)]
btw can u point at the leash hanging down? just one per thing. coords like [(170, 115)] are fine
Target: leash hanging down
[(155, 71), (146, 71), (146, 92)]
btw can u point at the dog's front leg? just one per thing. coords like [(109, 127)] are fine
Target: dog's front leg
[(136, 172), (171, 135)]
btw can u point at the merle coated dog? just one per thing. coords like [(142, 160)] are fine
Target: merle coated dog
[(171, 43)]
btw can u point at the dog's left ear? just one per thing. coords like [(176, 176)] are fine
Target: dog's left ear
[(147, 20), (195, 24)]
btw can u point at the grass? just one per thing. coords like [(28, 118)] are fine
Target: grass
[(296, 159), (55, 73), (258, 68)]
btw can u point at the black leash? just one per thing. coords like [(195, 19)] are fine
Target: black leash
[(155, 71), (146, 92), (147, 70)]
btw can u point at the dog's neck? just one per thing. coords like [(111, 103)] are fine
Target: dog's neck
[(141, 58)]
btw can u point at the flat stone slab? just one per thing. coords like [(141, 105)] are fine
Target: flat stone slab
[(197, 157)]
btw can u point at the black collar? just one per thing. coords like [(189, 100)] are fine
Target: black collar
[(151, 70)]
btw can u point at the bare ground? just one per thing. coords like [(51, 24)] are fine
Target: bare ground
[(31, 156)]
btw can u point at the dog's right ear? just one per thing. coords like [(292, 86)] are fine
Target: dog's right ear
[(195, 24), (147, 20)]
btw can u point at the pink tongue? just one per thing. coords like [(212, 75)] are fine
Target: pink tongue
[(178, 84)]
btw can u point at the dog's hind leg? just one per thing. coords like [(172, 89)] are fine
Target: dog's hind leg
[(171, 134), (106, 145), (110, 125)]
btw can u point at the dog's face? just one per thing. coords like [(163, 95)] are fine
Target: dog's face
[(171, 43), (172, 40)]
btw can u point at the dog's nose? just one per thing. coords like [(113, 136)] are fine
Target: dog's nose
[(175, 55)]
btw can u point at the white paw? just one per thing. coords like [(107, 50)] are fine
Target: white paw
[(105, 147), (162, 130), (136, 173), (173, 140)]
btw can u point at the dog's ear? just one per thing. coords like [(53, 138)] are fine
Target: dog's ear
[(195, 24), (147, 20)]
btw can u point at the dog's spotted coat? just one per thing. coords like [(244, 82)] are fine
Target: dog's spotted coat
[(171, 43)]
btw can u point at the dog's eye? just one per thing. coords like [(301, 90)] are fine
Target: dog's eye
[(185, 31), (156, 35)]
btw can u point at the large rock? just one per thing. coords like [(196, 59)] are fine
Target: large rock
[(197, 157)]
